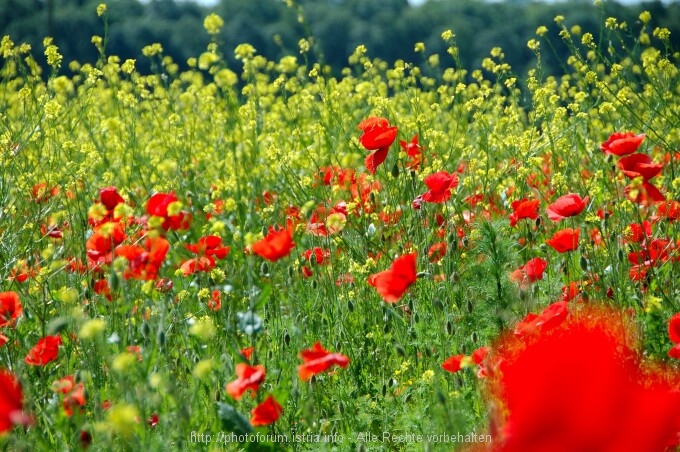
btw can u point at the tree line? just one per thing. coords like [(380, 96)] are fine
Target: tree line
[(389, 28)]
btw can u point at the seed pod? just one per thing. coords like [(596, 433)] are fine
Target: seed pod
[(395, 171), (441, 396), (114, 281), (161, 339)]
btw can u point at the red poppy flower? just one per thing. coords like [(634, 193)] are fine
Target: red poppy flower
[(3, 340), (639, 165), (452, 363), (391, 284), (249, 377), (413, 151), (158, 206), (41, 193), (210, 245), (276, 245), (437, 251), (104, 239), (318, 360), (10, 308), (378, 136), (247, 352), (523, 208), (622, 143), (564, 240), (638, 232), (44, 352), (74, 392), (11, 402), (674, 328), (215, 302), (530, 272), (440, 185), (645, 195), (266, 413), (669, 210), (580, 386), (674, 352), (145, 262), (566, 206)]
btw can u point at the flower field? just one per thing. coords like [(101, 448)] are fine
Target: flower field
[(419, 256)]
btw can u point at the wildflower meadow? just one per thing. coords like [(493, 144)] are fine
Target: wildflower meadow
[(418, 256)]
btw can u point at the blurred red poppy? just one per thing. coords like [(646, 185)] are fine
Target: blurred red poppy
[(440, 185), (452, 363), (414, 152), (276, 245), (248, 377), (564, 240), (10, 308), (266, 413), (530, 272), (11, 402), (144, 263), (391, 284), (523, 208), (159, 205), (566, 206), (639, 165), (44, 352), (378, 136), (317, 360), (674, 328), (580, 386), (622, 143)]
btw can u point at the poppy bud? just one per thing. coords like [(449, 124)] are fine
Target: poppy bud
[(523, 295), (400, 350), (341, 407), (584, 263), (412, 332), (264, 268), (146, 329), (455, 277), (386, 328), (290, 272), (469, 306), (286, 337), (465, 242), (452, 240), (407, 398), (538, 221), (449, 327), (372, 197), (416, 317), (350, 306), (441, 396), (413, 175), (395, 171), (530, 236), (620, 255), (391, 382), (161, 339), (270, 354), (474, 337), (114, 281), (437, 304), (384, 389), (315, 284)]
